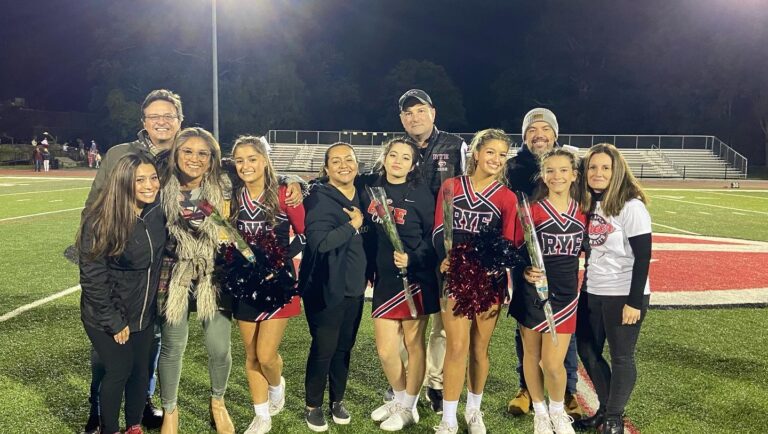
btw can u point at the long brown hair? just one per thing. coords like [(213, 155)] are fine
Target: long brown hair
[(543, 191), (414, 175), (214, 172), (478, 141), (111, 217), (622, 187), (271, 197)]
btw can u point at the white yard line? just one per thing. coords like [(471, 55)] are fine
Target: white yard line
[(741, 195), (39, 214), (675, 229), (47, 178), (44, 191), (710, 205), (708, 190), (710, 298), (16, 312), (23, 200)]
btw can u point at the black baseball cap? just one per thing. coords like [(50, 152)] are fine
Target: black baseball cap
[(417, 94)]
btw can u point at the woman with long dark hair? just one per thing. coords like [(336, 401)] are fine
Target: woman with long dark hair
[(412, 206), (260, 209), (194, 178), (120, 244), (615, 294), (333, 280)]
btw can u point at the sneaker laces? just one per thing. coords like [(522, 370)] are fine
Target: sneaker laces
[(542, 423), (475, 417), (560, 420)]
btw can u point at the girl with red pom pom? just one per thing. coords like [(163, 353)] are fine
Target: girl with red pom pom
[(480, 198), (260, 205), (560, 231)]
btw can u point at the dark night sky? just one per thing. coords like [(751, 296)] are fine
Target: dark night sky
[(49, 47)]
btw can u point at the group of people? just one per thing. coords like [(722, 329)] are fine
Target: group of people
[(166, 213)]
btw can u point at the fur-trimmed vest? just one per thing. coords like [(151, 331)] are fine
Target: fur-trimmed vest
[(195, 251)]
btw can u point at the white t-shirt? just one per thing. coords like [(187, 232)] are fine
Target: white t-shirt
[(609, 269)]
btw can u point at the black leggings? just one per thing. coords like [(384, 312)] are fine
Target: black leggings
[(126, 372), (333, 331), (598, 319)]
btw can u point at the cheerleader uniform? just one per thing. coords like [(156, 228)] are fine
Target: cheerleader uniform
[(495, 206), (412, 207), (560, 237), (251, 219)]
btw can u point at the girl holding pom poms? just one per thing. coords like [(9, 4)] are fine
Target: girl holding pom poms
[(476, 287), (263, 308), (559, 227)]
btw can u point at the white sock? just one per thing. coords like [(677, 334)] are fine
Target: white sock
[(276, 392), (474, 400), (449, 412), (539, 407), (556, 407), (410, 401), (261, 410), (399, 396)]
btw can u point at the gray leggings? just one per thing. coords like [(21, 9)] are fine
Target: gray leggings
[(217, 332)]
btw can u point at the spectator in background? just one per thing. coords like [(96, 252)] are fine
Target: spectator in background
[(92, 153), (37, 156), (97, 160), (81, 148), (46, 158)]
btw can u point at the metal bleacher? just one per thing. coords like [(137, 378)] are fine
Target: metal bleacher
[(702, 157)]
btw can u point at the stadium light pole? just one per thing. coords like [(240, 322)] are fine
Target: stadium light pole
[(215, 61)]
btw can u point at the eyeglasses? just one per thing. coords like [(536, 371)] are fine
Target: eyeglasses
[(166, 117), (188, 153)]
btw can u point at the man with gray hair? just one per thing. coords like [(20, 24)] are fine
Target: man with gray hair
[(540, 132)]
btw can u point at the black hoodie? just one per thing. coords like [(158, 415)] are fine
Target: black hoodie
[(334, 262)]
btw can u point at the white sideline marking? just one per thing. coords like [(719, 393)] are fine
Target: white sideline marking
[(709, 190), (39, 214), (740, 195), (710, 298), (671, 212), (44, 191), (19, 310), (713, 206), (22, 200), (59, 178), (56, 200), (675, 229)]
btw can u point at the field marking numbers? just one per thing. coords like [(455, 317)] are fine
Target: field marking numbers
[(710, 205), (19, 310), (675, 229), (44, 191), (39, 214)]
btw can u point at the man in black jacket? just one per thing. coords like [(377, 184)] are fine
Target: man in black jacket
[(161, 115), (442, 155), (540, 131)]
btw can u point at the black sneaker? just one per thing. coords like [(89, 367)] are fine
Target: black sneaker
[(340, 414), (93, 426), (435, 399), (389, 395), (315, 419), (153, 416)]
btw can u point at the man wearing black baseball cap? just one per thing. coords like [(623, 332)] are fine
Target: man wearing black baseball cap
[(442, 156)]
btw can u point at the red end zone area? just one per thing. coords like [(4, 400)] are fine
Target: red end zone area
[(691, 271)]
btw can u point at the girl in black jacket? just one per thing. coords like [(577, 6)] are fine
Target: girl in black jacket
[(412, 206), (120, 241), (332, 279)]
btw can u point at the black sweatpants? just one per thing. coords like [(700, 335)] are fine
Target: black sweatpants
[(333, 331), (126, 372), (598, 319)]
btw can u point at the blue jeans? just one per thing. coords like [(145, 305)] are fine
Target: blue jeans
[(571, 363)]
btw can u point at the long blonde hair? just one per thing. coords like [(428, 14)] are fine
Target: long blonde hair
[(111, 217), (478, 141), (271, 196), (214, 171), (622, 187)]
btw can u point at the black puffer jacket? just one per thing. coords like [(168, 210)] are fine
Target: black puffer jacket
[(122, 291)]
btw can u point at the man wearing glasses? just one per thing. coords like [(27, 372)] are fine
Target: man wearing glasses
[(161, 114)]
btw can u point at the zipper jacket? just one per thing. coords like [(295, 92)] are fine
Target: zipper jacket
[(122, 291)]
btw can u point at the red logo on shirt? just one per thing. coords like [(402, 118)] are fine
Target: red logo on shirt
[(599, 229), (397, 213)]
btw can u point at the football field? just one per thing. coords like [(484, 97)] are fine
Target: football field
[(700, 369)]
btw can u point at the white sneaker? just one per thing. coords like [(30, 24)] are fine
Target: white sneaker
[(259, 425), (401, 417), (542, 424), (561, 422), (444, 428), (383, 412), (276, 407), (474, 418)]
